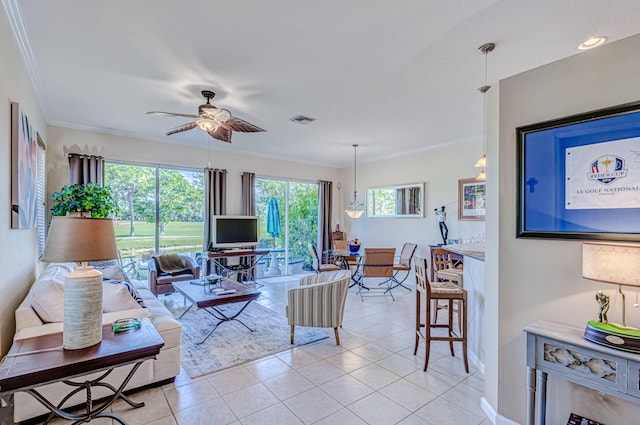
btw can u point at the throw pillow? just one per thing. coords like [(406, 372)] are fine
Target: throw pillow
[(110, 269), (47, 293), (117, 298), (132, 291)]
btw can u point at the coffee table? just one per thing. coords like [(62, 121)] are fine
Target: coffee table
[(205, 298), (40, 360)]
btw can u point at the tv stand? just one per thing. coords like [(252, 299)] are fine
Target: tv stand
[(243, 271)]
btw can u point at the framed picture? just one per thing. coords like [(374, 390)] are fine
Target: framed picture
[(579, 176), (471, 199), (24, 170)]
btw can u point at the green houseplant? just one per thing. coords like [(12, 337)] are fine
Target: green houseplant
[(90, 197)]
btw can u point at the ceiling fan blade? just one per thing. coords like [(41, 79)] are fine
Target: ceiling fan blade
[(236, 124), (172, 114), (221, 133), (181, 128)]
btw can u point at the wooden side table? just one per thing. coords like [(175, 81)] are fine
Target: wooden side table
[(34, 362)]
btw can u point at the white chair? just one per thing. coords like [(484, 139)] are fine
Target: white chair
[(319, 301)]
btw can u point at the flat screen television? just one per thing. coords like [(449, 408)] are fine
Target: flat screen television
[(233, 231)]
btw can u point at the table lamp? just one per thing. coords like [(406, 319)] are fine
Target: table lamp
[(618, 264), (81, 239)]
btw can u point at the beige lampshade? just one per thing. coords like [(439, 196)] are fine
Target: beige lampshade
[(80, 239), (615, 263)]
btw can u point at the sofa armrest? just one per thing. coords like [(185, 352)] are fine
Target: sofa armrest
[(25, 315)]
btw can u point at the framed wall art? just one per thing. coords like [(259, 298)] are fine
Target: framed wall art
[(24, 169), (471, 199), (579, 176)]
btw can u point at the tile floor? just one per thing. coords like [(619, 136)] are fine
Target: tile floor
[(372, 378)]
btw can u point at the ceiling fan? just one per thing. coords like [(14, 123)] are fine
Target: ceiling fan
[(216, 121)]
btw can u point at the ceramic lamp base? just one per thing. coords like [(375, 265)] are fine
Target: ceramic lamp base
[(82, 326)]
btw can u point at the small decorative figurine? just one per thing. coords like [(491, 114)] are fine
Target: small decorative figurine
[(603, 302), (442, 218)]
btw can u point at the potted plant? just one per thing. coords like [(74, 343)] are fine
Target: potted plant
[(89, 199)]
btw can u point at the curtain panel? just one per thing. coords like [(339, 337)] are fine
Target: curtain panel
[(215, 199), (85, 169), (248, 208), (325, 205), (248, 193)]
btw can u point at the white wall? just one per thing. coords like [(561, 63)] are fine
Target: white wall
[(18, 248), (541, 279), (440, 169), (63, 141)]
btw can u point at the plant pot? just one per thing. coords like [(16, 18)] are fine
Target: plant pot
[(354, 248)]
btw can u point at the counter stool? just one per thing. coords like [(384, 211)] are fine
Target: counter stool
[(433, 292)]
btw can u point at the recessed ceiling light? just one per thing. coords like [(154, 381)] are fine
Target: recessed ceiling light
[(301, 119), (592, 42)]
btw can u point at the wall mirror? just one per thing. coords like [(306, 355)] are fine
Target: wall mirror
[(402, 200)]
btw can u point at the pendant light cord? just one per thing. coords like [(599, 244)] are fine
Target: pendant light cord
[(355, 168)]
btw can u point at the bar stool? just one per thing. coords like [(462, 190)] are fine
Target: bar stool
[(434, 292)]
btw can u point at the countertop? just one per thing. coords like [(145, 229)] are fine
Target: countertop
[(473, 250)]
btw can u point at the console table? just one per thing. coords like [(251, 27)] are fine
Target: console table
[(34, 362), (245, 270), (561, 350)]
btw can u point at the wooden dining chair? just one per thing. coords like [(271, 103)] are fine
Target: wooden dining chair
[(427, 292)]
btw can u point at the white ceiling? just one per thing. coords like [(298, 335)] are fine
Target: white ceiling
[(394, 76)]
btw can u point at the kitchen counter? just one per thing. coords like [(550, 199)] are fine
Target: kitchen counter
[(473, 250)]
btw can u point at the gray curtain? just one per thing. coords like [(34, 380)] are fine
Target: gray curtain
[(401, 201), (325, 205), (85, 169), (248, 208), (414, 200), (215, 199), (248, 193)]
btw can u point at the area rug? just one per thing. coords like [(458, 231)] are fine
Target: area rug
[(232, 344)]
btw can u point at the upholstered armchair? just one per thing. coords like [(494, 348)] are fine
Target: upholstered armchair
[(319, 301), (165, 269)]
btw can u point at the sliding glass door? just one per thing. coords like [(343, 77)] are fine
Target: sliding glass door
[(161, 210), (288, 212)]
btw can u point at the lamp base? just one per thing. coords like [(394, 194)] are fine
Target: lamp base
[(82, 326), (613, 336)]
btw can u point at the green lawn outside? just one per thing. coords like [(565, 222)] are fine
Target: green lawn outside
[(179, 237), (143, 228)]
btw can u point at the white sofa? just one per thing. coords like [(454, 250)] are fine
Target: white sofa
[(29, 324)]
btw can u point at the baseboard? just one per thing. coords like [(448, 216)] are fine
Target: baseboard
[(474, 360), (493, 416)]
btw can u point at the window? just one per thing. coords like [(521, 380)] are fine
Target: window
[(161, 210), (41, 195)]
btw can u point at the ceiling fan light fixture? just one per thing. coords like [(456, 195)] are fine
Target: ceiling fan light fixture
[(207, 124)]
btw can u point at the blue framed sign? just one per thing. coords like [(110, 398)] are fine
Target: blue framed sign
[(579, 176)]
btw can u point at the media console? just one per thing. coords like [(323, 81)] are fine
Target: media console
[(244, 269)]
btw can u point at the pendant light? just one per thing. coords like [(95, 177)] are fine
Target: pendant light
[(482, 162), (356, 208)]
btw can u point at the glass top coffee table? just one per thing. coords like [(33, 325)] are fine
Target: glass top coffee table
[(209, 297)]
